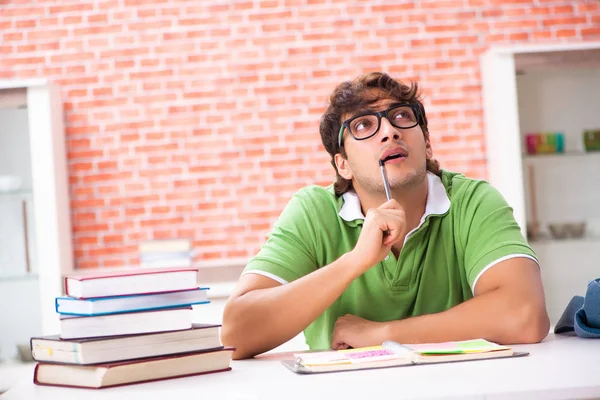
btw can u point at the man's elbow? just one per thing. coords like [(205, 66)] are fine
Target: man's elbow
[(229, 339), (233, 333), (530, 324), (230, 335)]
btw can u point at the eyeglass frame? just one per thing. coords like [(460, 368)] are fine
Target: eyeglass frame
[(415, 107)]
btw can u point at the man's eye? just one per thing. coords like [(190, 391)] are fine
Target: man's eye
[(362, 125), (403, 115)]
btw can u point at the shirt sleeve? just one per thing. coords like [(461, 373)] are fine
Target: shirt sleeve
[(289, 252), (488, 231)]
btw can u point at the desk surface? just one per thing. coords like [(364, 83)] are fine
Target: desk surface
[(559, 367)]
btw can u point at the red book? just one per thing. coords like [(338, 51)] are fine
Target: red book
[(101, 376), (138, 281)]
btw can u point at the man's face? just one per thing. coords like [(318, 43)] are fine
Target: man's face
[(362, 165)]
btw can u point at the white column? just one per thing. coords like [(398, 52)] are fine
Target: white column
[(502, 130), (51, 199)]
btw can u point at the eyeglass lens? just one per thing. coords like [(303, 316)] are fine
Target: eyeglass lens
[(365, 125)]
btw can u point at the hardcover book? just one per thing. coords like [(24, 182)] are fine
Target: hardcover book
[(170, 319), (100, 376), (131, 303), (125, 347), (137, 281)]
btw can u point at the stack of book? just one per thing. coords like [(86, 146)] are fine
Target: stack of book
[(166, 253), (129, 327)]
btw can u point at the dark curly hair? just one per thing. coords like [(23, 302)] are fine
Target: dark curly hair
[(352, 95)]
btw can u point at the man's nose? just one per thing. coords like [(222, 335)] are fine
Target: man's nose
[(388, 131)]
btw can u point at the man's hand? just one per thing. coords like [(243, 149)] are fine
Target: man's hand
[(353, 331), (383, 227)]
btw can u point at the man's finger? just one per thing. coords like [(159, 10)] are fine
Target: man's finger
[(395, 233), (391, 239)]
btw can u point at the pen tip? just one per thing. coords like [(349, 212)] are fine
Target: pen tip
[(381, 163)]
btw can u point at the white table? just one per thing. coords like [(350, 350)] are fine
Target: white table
[(560, 367)]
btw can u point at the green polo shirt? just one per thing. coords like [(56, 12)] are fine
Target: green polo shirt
[(467, 228)]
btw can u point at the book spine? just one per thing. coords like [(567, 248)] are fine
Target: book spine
[(47, 355), (134, 310), (35, 374)]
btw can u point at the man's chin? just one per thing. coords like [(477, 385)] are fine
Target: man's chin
[(408, 181)]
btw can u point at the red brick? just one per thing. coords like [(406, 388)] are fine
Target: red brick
[(542, 35), (517, 24), (72, 19), (98, 30), (74, 57), (588, 32), (13, 12), (99, 92), (588, 7), (567, 22), (523, 36), (566, 33), (75, 8), (86, 240), (13, 37), (22, 49), (24, 24), (566, 9), (493, 12)]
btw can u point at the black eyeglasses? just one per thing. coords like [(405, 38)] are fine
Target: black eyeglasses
[(366, 125)]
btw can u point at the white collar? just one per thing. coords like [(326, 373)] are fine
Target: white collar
[(437, 201)]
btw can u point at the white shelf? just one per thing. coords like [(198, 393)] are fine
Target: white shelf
[(16, 278), (566, 155), (16, 194), (549, 240)]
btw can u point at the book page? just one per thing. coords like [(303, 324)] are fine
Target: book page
[(349, 356), (461, 347)]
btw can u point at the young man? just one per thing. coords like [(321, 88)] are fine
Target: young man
[(442, 260)]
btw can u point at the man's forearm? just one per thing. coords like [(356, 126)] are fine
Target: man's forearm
[(265, 318), (495, 316)]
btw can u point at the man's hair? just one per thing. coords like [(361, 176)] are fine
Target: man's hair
[(354, 95)]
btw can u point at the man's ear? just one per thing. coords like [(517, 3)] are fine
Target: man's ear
[(428, 150), (343, 167)]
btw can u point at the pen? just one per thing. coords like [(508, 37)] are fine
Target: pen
[(386, 184)]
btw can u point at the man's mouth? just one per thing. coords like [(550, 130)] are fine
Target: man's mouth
[(394, 155)]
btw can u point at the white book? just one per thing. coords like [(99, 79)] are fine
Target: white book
[(133, 281), (166, 256), (171, 319), (52, 348), (166, 263), (165, 245)]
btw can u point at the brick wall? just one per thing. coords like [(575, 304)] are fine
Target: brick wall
[(200, 118)]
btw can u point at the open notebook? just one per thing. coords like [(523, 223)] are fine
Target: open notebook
[(392, 354)]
